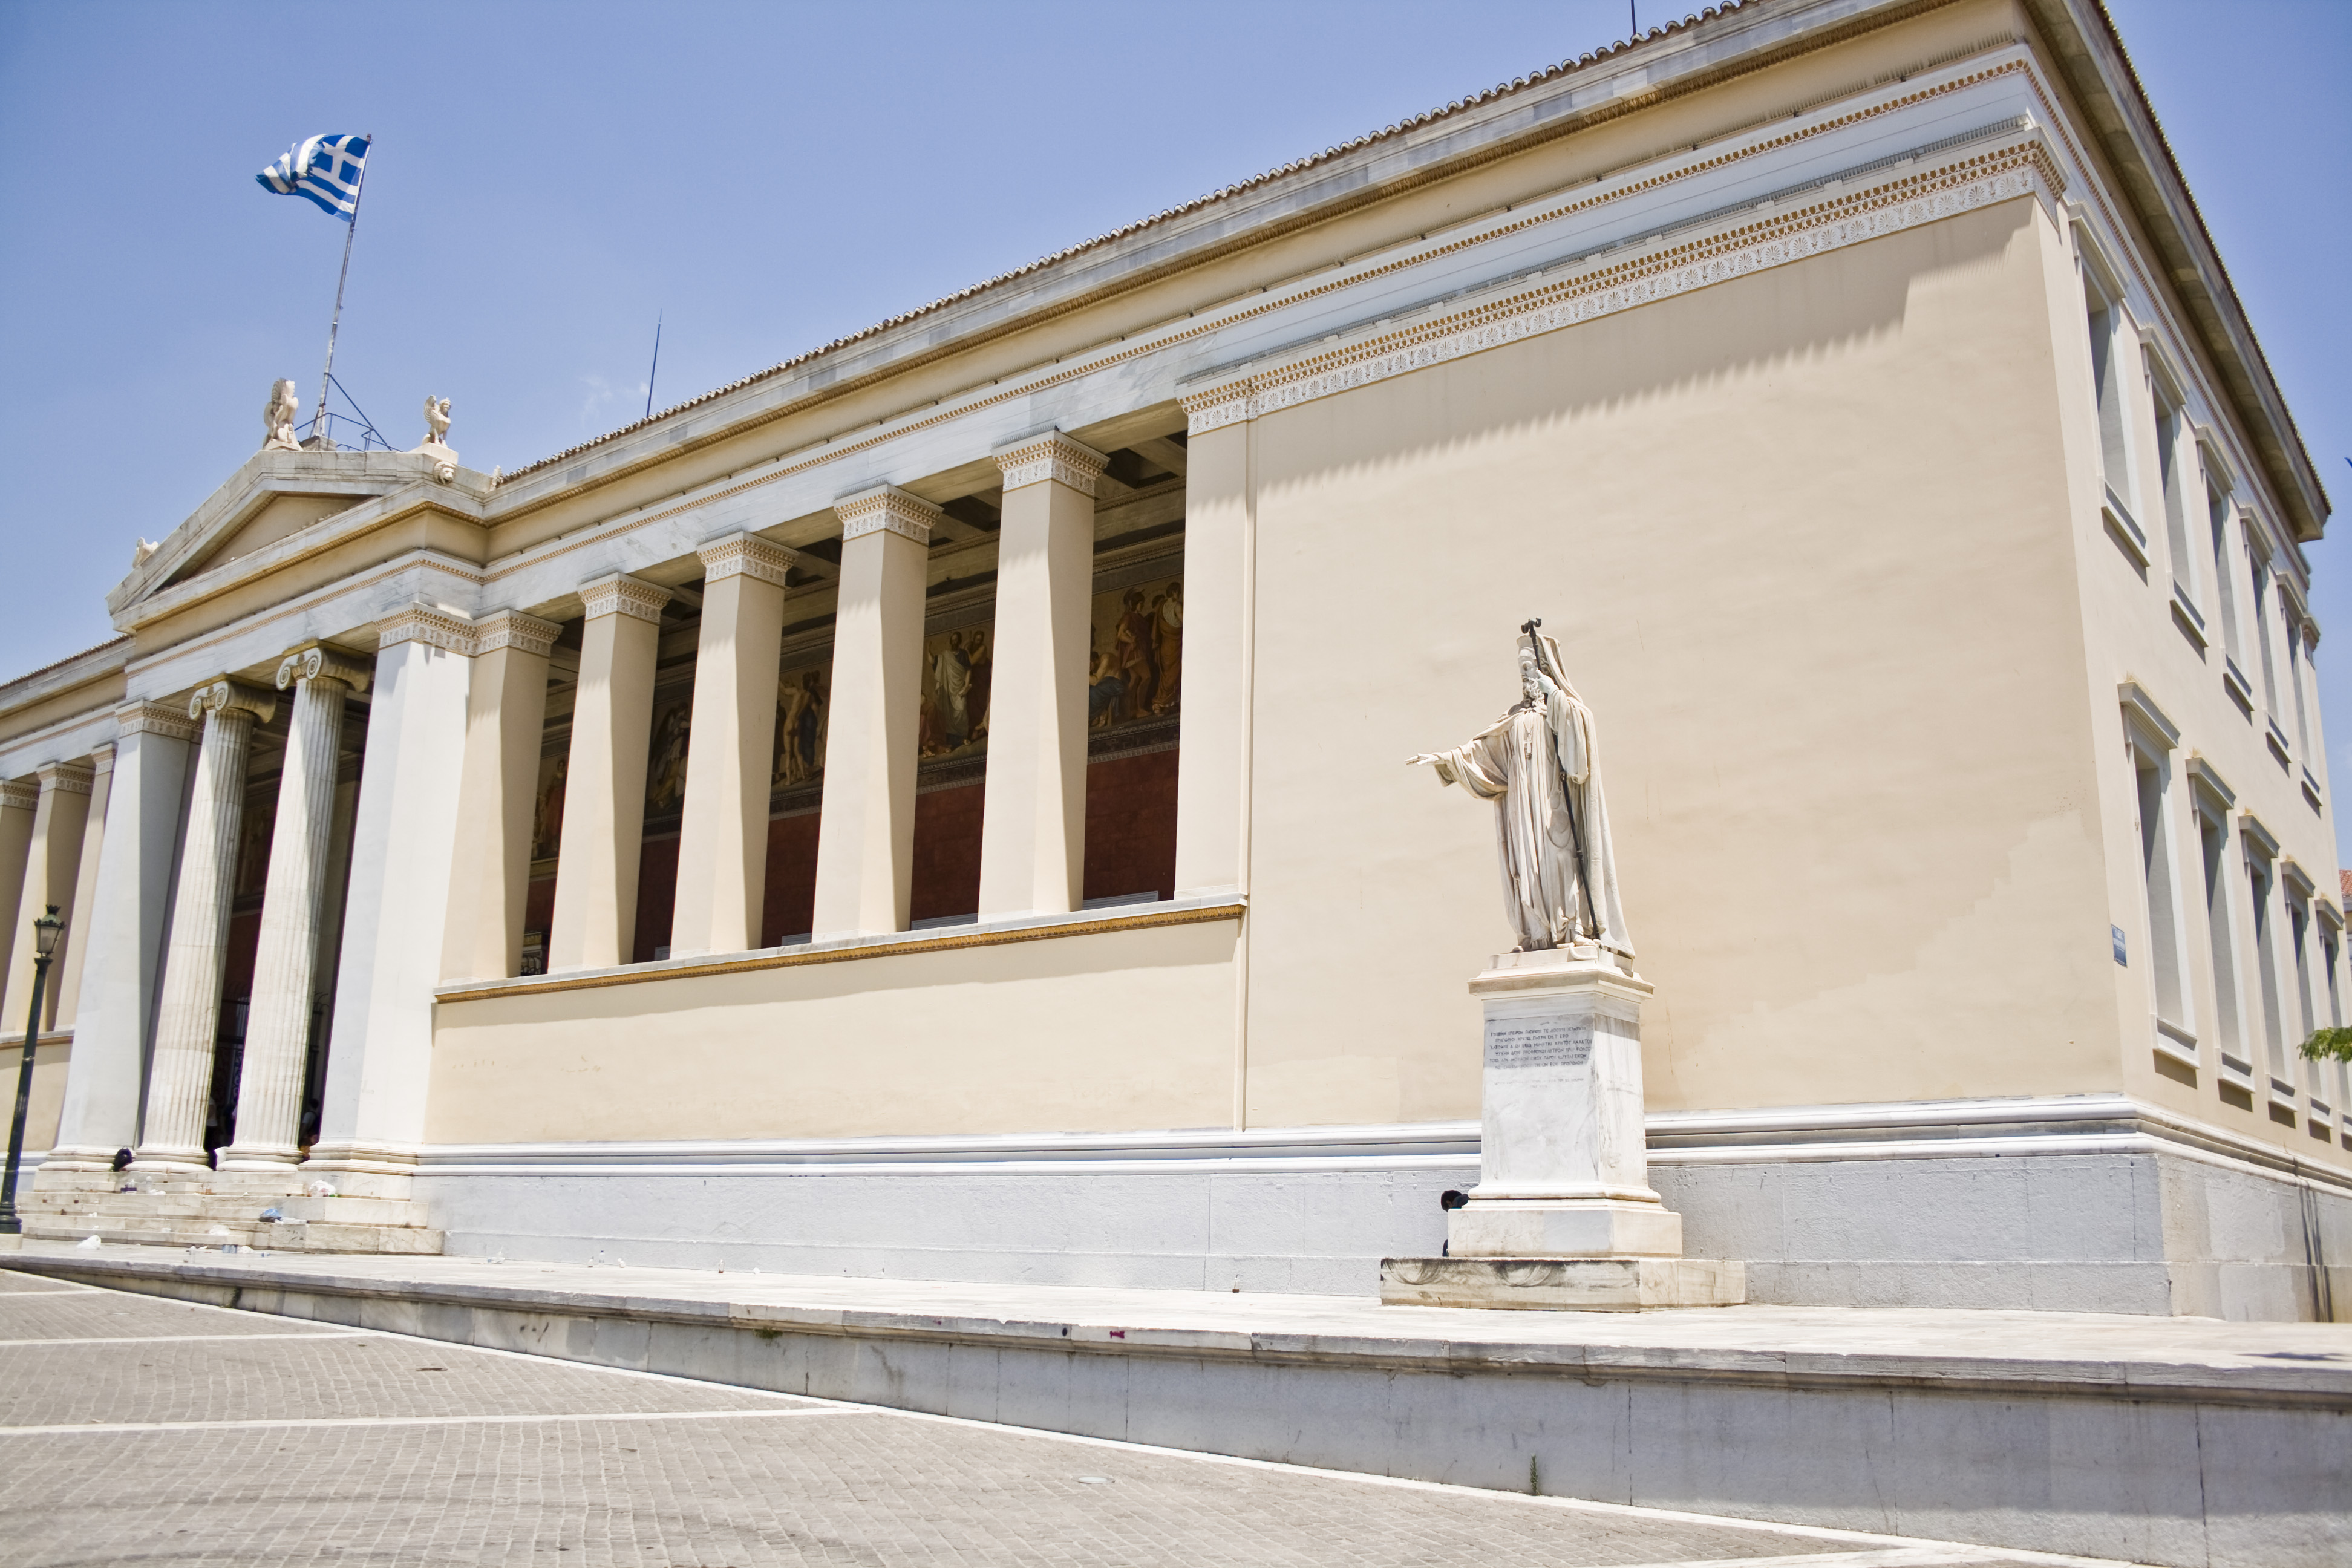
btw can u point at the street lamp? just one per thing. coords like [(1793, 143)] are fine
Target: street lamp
[(45, 947)]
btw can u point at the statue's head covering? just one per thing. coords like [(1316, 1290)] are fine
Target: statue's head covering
[(1548, 660)]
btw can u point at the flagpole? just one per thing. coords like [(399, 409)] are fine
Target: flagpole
[(326, 378)]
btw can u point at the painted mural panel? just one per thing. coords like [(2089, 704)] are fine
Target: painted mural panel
[(959, 669), (1136, 650), (673, 725), (800, 711)]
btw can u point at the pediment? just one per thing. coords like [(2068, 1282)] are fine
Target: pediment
[(272, 497)]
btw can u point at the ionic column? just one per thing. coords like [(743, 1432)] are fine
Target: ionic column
[(604, 783), (121, 936), (1212, 766), (20, 803), (1034, 821), (865, 832), (379, 1044), (506, 709), (722, 851), (187, 1022), (285, 970), (64, 990), (52, 862)]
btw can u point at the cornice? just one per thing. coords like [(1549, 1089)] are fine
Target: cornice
[(1051, 456), (618, 595), (67, 778), (227, 699), (746, 556), (513, 629), (1551, 301), (320, 662), (154, 719), (888, 509), (433, 626)]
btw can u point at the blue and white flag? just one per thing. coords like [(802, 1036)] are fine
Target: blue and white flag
[(326, 169)]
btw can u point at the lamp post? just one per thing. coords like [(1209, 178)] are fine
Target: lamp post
[(45, 944)]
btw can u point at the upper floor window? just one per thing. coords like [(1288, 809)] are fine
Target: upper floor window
[(2225, 578), (2174, 447), (2107, 323)]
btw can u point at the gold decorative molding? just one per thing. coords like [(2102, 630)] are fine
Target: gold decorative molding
[(745, 555), (154, 719), (433, 627), (886, 508), (618, 595), (2023, 167), (512, 628), (885, 947), (1051, 456)]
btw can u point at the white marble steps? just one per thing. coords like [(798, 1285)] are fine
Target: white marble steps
[(2158, 1440), (224, 1209)]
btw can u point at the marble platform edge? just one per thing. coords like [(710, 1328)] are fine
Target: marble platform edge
[(2299, 1383)]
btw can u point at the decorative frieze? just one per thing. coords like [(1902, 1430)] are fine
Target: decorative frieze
[(227, 697), (1051, 456), (21, 794), (512, 628), (886, 506), (745, 555), (67, 778), (154, 719), (2024, 167), (620, 595), (427, 623), (320, 662)]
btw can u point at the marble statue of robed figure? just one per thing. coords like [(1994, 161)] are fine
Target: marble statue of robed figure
[(1540, 764)]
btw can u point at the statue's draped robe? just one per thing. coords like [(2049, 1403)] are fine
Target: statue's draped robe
[(1511, 762)]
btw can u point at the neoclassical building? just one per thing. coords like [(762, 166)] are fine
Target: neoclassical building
[(937, 807)]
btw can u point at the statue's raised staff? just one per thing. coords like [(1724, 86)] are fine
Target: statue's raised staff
[(1540, 764)]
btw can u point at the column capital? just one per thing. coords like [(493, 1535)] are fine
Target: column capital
[(154, 719), (745, 555), (512, 628), (316, 661), (19, 794), (1051, 456), (72, 777), (226, 696), (617, 594), (427, 623), (101, 758), (886, 506)]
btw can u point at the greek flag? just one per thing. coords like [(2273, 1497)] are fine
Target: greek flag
[(325, 169)]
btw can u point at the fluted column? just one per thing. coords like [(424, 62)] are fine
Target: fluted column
[(604, 783), (65, 991), (866, 833), (52, 862), (285, 970), (1033, 840), (506, 709), (114, 953), (187, 1021), (722, 851)]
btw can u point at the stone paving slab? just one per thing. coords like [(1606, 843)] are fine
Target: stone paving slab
[(622, 1468), (108, 1314)]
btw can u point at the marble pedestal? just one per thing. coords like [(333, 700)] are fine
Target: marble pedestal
[(1563, 1215)]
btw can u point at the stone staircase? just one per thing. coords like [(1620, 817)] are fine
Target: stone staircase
[(223, 1209)]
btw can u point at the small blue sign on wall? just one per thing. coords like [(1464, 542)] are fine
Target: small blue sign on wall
[(2118, 934)]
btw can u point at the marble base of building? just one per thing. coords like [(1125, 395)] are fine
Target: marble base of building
[(1556, 1284), (361, 1213)]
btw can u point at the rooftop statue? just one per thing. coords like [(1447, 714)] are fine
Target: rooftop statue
[(436, 421), (278, 419), (1540, 764)]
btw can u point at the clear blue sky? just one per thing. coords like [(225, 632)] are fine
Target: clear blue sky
[(549, 176)]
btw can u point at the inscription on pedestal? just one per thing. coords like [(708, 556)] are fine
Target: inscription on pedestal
[(1522, 1042)]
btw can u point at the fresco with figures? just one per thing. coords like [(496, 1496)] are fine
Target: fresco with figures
[(1135, 652)]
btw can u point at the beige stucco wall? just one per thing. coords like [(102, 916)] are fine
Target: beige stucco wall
[(1105, 1032), (1805, 538)]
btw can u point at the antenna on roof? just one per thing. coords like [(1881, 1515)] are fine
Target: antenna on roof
[(657, 366), (1633, 15)]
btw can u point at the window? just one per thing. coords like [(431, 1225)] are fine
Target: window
[(2217, 506), (2262, 576), (2172, 449), (2222, 932), (2107, 323), (2298, 918), (2296, 667), (2162, 891), (2273, 1022)]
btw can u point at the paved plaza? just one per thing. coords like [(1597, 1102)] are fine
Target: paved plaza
[(133, 1428)]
